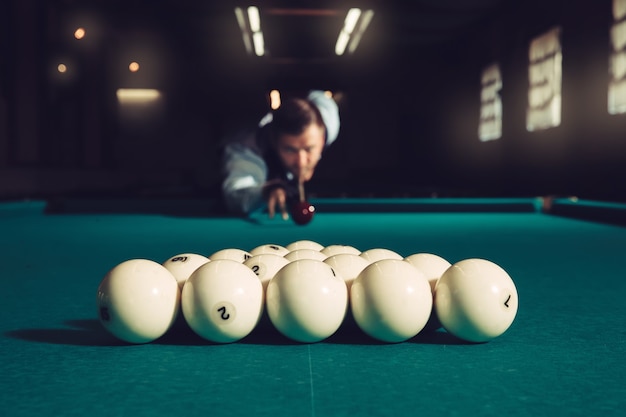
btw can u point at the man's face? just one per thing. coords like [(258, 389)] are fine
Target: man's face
[(301, 153)]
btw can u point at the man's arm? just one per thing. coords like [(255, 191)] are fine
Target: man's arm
[(245, 173)]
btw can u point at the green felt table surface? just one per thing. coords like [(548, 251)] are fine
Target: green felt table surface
[(564, 354)]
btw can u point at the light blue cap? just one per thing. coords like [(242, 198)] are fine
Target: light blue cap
[(330, 113)]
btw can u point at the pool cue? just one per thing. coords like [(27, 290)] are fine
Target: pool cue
[(301, 190)]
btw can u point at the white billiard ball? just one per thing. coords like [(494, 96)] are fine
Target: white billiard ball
[(331, 250), (222, 301), (269, 248), (433, 266), (183, 265), (265, 266), (391, 300), (476, 300), (234, 254), (138, 300), (348, 266), (304, 244), (378, 254), (307, 301), (297, 254)]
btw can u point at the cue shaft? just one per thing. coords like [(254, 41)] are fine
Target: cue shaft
[(301, 190)]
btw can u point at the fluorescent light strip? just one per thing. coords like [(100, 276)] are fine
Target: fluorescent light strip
[(241, 21), (348, 37), (251, 32), (259, 43), (349, 24), (342, 42), (137, 95), (351, 18), (356, 38), (254, 19)]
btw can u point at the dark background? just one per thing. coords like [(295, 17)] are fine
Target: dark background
[(409, 97)]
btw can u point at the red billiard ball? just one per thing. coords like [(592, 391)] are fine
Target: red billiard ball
[(302, 212)]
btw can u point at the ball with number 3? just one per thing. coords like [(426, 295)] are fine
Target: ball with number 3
[(222, 301)]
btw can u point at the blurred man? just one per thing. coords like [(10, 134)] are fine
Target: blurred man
[(268, 164)]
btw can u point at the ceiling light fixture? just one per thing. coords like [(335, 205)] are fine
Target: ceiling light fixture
[(241, 21), (366, 18), (137, 95), (251, 30), (254, 19), (350, 34)]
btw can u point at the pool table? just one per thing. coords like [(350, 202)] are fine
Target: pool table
[(565, 353)]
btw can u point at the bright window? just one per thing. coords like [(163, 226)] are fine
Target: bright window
[(544, 78), (617, 60), (490, 123)]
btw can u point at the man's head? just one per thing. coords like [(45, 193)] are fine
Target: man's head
[(298, 136)]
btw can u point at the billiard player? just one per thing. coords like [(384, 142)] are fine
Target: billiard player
[(270, 163)]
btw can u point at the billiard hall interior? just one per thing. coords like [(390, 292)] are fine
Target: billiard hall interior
[(469, 129)]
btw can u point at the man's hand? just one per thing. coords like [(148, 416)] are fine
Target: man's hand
[(277, 198)]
